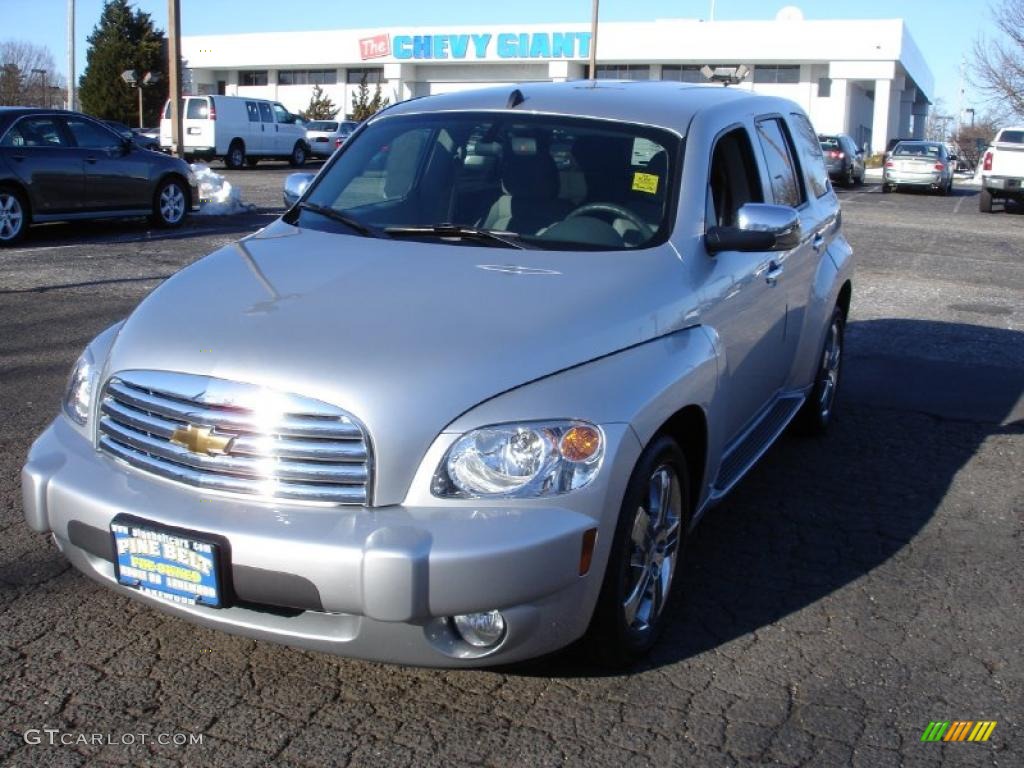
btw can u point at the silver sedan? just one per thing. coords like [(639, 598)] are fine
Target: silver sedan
[(921, 164), (325, 136)]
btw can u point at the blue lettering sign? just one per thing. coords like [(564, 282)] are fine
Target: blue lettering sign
[(540, 47), (441, 47), (459, 45), (421, 47), (480, 45), (506, 46), (402, 46)]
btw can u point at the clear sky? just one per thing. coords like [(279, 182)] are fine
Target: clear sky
[(944, 30)]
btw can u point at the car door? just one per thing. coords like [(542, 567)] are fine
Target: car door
[(116, 173), (818, 208), (40, 153), (268, 144), (286, 132), (254, 132), (744, 303)]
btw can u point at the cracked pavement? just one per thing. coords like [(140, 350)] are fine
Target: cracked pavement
[(850, 590)]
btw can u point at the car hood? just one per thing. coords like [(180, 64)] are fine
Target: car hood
[(404, 335)]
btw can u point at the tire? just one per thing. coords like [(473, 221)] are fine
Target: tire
[(848, 179), (298, 156), (985, 201), (886, 189), (252, 161), (170, 203), (235, 158), (817, 412), (630, 612), (15, 216)]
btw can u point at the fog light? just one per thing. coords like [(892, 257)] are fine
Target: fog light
[(481, 630)]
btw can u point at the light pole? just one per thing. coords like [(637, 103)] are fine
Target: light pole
[(71, 55), (133, 81), (593, 40), (46, 93)]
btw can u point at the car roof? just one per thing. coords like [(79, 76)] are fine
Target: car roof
[(653, 102)]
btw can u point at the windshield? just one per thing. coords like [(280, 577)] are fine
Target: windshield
[(549, 182), (321, 125), (828, 143), (906, 149)]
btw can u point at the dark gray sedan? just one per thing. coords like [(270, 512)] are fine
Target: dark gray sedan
[(60, 166)]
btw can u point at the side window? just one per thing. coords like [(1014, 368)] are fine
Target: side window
[(388, 170), (89, 135), (35, 132), (810, 147), (283, 115), (266, 114), (733, 180), (253, 110), (778, 156), (198, 109)]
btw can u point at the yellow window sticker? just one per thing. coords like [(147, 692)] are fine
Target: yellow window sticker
[(645, 182)]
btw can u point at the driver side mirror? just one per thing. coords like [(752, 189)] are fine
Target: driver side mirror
[(294, 187), (759, 227)]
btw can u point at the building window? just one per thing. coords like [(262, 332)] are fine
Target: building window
[(682, 73), (372, 75), (307, 77), (824, 87), (623, 72), (777, 73), (252, 77)]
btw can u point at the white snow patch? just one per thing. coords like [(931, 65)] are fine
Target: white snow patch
[(216, 194)]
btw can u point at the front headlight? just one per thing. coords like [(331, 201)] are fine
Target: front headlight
[(521, 460), (78, 397)]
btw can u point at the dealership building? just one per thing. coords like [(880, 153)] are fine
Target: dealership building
[(864, 78)]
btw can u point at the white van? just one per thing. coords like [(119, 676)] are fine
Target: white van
[(237, 129)]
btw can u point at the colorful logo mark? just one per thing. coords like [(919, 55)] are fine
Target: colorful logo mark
[(958, 730)]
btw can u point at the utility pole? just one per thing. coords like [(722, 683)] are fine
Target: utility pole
[(593, 41), (45, 96), (174, 73), (711, 12), (71, 54), (960, 99)]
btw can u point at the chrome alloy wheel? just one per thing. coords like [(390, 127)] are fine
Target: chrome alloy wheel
[(830, 368), (12, 217), (172, 203), (654, 543)]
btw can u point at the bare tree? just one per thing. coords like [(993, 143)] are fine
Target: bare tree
[(998, 66), (29, 76), (974, 138)]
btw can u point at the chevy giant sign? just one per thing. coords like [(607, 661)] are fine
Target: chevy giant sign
[(506, 45)]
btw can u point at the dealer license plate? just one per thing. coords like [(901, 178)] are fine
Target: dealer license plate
[(169, 563)]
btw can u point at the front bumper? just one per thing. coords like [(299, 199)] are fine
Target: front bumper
[(368, 583)]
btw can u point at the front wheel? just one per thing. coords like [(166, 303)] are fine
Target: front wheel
[(816, 414), (298, 156), (170, 204), (644, 557), (14, 216)]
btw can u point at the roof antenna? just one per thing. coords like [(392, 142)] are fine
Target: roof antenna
[(515, 99)]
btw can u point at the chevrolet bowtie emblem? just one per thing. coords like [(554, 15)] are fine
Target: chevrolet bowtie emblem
[(201, 440)]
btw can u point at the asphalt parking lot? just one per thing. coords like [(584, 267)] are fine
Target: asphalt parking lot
[(849, 592)]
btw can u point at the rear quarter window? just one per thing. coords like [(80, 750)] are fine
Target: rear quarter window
[(1011, 137), (198, 109)]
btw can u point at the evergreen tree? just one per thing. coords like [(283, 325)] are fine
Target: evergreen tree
[(363, 105), (123, 39), (320, 106)]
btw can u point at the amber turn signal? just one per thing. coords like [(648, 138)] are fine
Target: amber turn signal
[(587, 551), (580, 443)]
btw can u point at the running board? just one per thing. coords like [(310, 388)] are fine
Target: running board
[(754, 442)]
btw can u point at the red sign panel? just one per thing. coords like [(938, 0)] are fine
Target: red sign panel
[(374, 47)]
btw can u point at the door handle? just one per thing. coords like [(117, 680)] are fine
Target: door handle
[(91, 160), (818, 242), (774, 272), (19, 158)]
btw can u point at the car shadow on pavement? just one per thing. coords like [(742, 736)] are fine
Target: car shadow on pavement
[(815, 515)]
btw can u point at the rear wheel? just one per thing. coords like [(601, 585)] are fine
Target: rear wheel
[(235, 158), (886, 188), (14, 216), (985, 201), (815, 416), (848, 179), (298, 156), (170, 204), (644, 557)]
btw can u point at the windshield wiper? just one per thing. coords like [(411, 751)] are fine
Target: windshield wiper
[(454, 230), (334, 215)]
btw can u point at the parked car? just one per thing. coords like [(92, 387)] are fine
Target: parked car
[(325, 136), (147, 138), (237, 129), (921, 164), (1002, 169), (843, 159), (454, 413), (59, 166), (133, 134)]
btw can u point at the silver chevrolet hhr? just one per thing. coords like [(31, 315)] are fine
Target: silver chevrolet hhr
[(464, 402)]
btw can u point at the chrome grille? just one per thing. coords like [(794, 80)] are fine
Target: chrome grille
[(282, 446)]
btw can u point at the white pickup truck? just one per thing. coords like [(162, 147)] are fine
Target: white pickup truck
[(1002, 169)]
